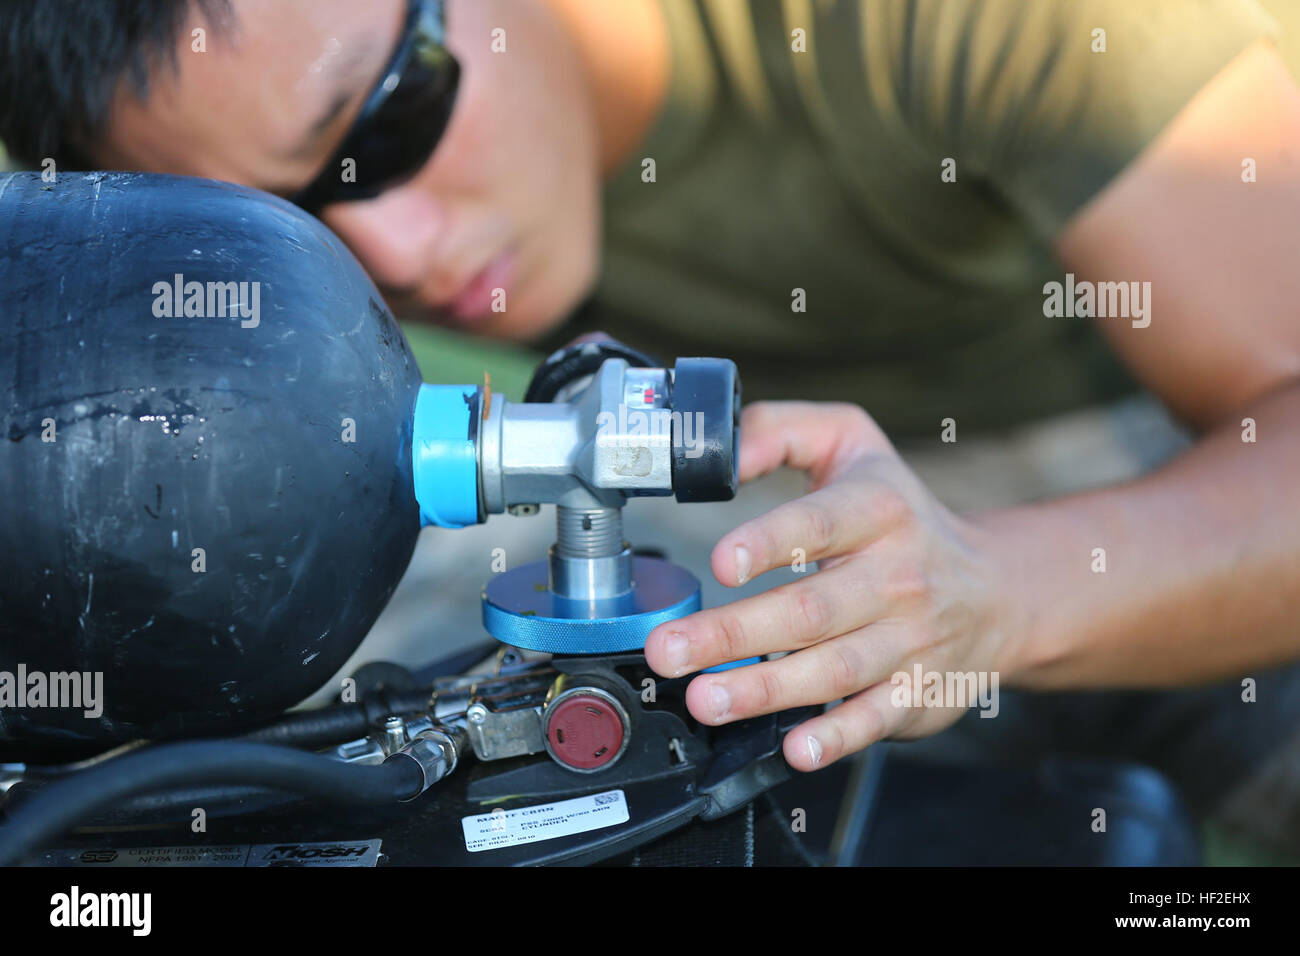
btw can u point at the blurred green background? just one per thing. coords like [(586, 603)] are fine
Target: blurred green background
[(451, 358)]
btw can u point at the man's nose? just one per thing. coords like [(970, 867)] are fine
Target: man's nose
[(395, 235)]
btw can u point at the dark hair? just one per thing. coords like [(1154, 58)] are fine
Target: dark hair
[(62, 60)]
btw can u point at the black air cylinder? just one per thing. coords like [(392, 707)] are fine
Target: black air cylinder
[(205, 451)]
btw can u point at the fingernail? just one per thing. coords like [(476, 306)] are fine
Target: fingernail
[(742, 564), (719, 700), (677, 648), (815, 751)]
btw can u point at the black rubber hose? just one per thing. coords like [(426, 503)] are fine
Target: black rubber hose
[(314, 728), (162, 807), (200, 763), (337, 722)]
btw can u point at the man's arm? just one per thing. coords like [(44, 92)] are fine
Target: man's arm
[(1203, 557), (1202, 572)]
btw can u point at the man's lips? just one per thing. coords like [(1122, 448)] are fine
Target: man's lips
[(477, 298)]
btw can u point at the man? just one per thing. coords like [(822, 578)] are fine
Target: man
[(865, 201)]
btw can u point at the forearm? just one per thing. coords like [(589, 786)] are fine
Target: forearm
[(1201, 558)]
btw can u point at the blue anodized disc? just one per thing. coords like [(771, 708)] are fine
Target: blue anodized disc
[(519, 608)]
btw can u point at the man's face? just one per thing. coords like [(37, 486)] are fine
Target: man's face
[(508, 199)]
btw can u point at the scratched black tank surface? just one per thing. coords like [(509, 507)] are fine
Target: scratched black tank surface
[(205, 489)]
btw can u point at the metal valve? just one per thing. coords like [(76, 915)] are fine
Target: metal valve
[(603, 426)]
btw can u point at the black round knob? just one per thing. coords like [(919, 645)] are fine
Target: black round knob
[(706, 433)]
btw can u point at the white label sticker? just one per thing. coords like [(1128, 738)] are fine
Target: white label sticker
[(546, 821)]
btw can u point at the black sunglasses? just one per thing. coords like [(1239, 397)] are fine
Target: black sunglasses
[(401, 121)]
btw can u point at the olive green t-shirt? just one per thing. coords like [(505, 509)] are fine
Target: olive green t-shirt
[(801, 154)]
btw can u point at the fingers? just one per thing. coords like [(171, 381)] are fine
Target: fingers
[(817, 437), (800, 614), (842, 517), (862, 720), (827, 671)]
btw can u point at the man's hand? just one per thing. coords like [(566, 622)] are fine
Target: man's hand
[(901, 581)]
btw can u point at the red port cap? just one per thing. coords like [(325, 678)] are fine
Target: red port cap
[(585, 732)]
